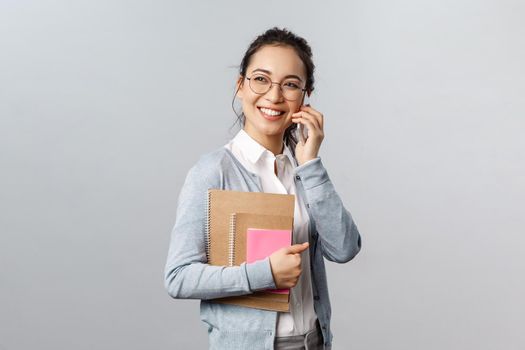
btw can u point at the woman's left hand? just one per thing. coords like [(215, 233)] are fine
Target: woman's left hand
[(313, 120)]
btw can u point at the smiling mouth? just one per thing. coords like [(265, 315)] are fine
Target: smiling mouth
[(270, 112)]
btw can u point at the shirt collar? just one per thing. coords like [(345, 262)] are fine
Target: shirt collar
[(288, 154), (254, 150)]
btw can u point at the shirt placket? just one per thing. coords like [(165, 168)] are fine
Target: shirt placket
[(297, 293), (271, 162)]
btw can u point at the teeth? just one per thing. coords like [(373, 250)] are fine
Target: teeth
[(270, 111)]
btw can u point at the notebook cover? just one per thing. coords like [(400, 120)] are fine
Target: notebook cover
[(261, 243)]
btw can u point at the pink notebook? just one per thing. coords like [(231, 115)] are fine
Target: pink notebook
[(261, 243)]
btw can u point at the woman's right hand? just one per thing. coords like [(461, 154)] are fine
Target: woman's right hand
[(286, 265)]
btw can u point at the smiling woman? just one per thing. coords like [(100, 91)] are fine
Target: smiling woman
[(261, 97), (275, 101), (287, 59), (265, 156)]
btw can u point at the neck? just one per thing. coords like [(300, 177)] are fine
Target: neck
[(273, 143)]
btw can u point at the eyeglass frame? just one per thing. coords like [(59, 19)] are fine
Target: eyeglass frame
[(271, 84)]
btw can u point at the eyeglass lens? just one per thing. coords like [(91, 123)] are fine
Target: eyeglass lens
[(261, 84)]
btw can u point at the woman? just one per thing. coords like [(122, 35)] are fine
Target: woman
[(266, 156)]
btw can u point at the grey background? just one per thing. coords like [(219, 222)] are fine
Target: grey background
[(105, 105)]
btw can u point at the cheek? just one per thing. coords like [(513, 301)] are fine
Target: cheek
[(295, 107), (250, 101), (249, 106), (244, 94)]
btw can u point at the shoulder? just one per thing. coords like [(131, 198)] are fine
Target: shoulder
[(216, 157), (214, 161), (210, 167)]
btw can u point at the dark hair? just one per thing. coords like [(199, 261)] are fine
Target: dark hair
[(280, 37)]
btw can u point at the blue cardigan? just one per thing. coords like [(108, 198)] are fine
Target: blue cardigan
[(333, 235)]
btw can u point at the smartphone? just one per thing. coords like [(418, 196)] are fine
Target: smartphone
[(301, 132)]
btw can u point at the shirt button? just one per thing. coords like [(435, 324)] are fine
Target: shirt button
[(307, 205), (297, 177), (316, 297)]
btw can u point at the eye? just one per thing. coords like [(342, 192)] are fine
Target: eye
[(292, 85), (260, 79)]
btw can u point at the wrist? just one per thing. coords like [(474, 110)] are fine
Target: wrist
[(305, 161)]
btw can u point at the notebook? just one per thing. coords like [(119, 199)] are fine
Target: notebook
[(261, 243), (229, 215)]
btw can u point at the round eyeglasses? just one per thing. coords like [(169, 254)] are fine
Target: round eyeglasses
[(290, 88)]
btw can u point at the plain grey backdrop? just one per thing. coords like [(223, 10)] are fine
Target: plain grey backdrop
[(105, 105)]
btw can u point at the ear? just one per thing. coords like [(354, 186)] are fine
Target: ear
[(239, 85)]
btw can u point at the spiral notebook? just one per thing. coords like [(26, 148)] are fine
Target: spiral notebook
[(229, 215)]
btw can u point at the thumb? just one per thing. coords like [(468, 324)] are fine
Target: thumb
[(297, 248)]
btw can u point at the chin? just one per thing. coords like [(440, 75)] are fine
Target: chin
[(271, 131)]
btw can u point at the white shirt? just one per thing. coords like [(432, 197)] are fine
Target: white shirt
[(257, 159)]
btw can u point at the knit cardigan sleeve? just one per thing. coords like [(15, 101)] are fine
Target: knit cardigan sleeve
[(338, 234)]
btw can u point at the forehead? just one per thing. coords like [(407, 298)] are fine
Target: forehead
[(280, 60)]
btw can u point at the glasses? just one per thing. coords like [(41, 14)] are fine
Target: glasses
[(290, 88)]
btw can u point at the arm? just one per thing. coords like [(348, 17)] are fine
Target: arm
[(339, 237), (187, 274)]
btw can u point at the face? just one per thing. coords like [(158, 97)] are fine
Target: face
[(278, 63)]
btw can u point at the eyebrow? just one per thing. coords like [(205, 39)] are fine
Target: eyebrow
[(270, 73)]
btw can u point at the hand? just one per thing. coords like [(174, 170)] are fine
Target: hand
[(286, 265), (314, 122)]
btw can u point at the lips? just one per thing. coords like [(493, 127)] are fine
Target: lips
[(270, 113)]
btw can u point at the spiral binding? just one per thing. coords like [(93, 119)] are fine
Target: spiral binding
[(207, 226), (231, 241)]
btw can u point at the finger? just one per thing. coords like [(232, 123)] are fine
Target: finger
[(307, 116), (312, 126), (297, 248), (314, 112)]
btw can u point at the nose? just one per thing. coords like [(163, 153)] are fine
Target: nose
[(275, 94)]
